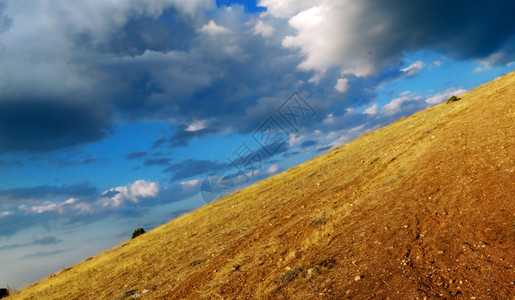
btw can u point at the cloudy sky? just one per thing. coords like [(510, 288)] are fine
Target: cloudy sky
[(123, 114)]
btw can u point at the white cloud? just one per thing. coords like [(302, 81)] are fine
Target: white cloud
[(213, 29), (4, 213), (478, 70), (263, 29), (272, 169), (344, 136), (372, 110), (144, 189), (132, 192), (440, 97), (342, 85), (315, 79), (82, 207), (196, 126), (414, 68), (498, 58), (294, 138), (46, 206), (60, 207), (190, 184), (71, 201), (395, 106), (327, 37), (329, 119), (285, 8)]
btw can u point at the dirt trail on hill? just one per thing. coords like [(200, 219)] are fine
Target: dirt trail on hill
[(421, 209)]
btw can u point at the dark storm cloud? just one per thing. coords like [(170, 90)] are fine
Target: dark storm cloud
[(5, 22), (50, 240), (308, 143), (46, 191), (7, 164), (323, 149), (64, 90), (182, 136), (42, 125), (144, 64), (376, 34), (141, 34), (160, 142), (41, 254), (192, 167), (474, 29), (157, 162), (136, 155), (291, 153)]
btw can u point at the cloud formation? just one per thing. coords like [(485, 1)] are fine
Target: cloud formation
[(362, 38), (65, 82), (83, 204)]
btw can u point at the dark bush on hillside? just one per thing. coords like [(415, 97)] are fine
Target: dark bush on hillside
[(453, 99), (4, 293), (138, 232)]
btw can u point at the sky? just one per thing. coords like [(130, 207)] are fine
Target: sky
[(116, 115)]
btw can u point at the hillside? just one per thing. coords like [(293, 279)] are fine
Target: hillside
[(423, 208)]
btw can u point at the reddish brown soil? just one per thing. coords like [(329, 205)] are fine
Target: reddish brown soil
[(421, 209)]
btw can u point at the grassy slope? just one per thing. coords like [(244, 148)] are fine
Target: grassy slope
[(421, 208)]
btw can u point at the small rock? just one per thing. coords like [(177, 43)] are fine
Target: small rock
[(144, 291), (357, 278)]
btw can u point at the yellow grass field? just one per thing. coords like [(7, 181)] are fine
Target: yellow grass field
[(421, 209)]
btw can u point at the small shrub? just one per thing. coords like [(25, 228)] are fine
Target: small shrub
[(327, 263), (290, 275), (196, 262), (138, 232), (453, 99), (321, 220), (4, 293)]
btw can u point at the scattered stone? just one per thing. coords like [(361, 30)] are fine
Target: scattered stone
[(357, 278), (196, 262)]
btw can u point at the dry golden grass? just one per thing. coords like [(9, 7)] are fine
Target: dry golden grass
[(421, 208)]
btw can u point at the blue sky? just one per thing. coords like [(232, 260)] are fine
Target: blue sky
[(117, 115)]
